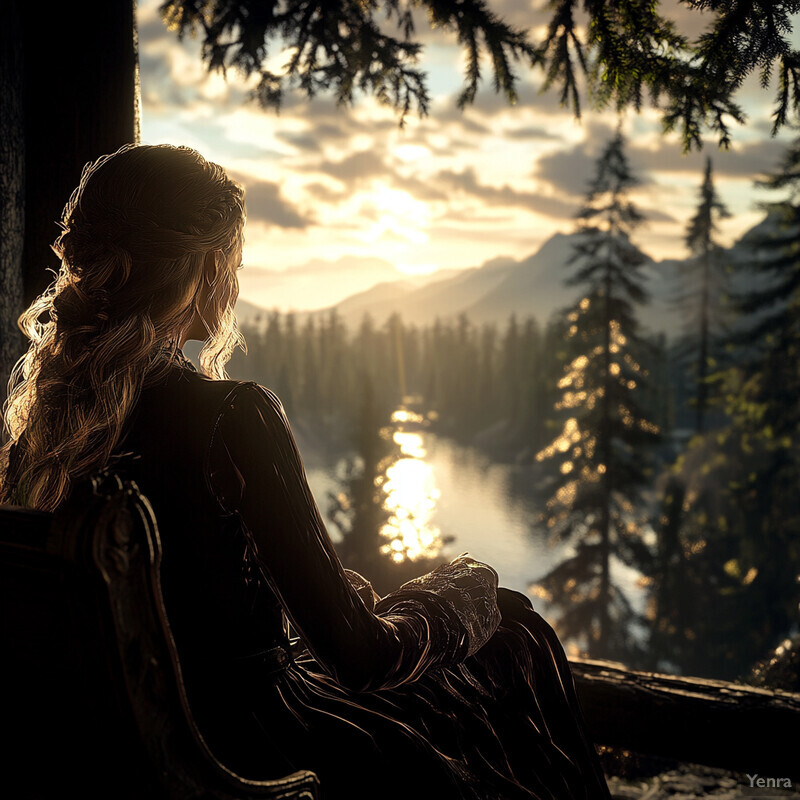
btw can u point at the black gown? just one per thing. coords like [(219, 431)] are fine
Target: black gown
[(446, 688)]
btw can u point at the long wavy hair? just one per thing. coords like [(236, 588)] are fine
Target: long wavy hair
[(136, 234)]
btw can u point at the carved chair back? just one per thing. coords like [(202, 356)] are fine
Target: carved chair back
[(93, 700)]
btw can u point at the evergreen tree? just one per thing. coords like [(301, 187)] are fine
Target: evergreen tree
[(626, 50), (534, 392), (601, 452), (358, 510), (705, 286), (740, 519), (310, 400), (763, 405), (770, 344), (486, 388)]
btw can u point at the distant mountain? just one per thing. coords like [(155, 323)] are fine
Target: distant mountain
[(534, 286), (443, 297), (246, 312), (491, 292), (389, 293)]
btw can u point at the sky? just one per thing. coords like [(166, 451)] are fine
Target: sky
[(340, 199)]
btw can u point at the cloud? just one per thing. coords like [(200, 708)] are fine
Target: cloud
[(457, 234), (159, 90), (449, 112), (266, 204), (151, 29), (656, 215), (312, 139), (569, 171), (359, 168), (417, 188), (748, 160), (306, 142), (321, 191), (529, 132), (468, 183), (353, 169), (173, 75)]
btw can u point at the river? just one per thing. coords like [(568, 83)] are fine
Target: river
[(448, 489)]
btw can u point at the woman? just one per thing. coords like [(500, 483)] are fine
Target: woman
[(449, 687)]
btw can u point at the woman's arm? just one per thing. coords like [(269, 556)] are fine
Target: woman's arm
[(255, 471)]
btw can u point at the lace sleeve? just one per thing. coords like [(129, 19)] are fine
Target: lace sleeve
[(469, 586)]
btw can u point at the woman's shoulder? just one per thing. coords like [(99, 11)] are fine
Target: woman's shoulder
[(228, 393), (185, 405), (184, 385), (229, 404)]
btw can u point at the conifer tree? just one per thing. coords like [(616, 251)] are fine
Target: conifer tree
[(619, 51), (705, 285), (741, 517), (763, 406), (600, 456), (771, 342), (358, 509)]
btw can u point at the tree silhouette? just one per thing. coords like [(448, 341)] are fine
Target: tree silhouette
[(624, 50), (601, 452), (49, 129), (358, 509), (737, 525), (762, 404), (705, 285)]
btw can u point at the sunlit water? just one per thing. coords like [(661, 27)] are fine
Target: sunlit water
[(412, 496), (439, 488)]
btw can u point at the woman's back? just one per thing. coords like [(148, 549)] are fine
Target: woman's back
[(462, 723), (216, 608)]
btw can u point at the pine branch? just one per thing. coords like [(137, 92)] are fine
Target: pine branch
[(627, 50)]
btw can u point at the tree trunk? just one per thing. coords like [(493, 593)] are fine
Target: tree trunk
[(12, 191), (604, 449), (702, 360), (80, 103), (76, 100)]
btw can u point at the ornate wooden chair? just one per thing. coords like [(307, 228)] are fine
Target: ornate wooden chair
[(93, 701)]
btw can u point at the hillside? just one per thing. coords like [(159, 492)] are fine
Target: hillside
[(534, 286)]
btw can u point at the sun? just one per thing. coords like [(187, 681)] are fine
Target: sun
[(399, 217)]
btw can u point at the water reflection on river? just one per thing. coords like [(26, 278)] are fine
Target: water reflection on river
[(411, 496), (439, 489)]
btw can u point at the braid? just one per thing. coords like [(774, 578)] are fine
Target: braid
[(133, 241)]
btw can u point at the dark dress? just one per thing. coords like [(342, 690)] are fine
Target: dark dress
[(446, 688)]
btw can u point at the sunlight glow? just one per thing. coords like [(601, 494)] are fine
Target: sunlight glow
[(411, 496), (410, 444), (405, 415), (398, 215)]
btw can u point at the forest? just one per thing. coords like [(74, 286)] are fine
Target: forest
[(680, 460)]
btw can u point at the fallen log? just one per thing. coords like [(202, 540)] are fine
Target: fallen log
[(697, 720)]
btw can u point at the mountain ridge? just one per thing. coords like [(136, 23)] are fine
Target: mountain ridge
[(502, 286)]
